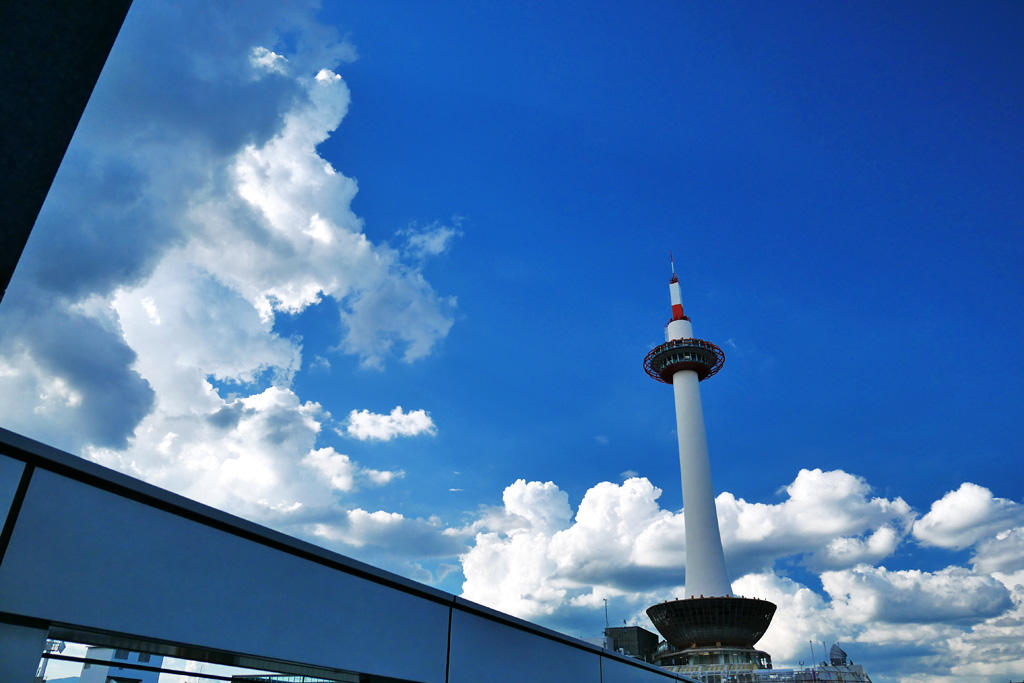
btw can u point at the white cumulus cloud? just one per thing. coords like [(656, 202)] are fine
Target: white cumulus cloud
[(963, 517), (867, 594), (390, 532), (364, 425), (192, 211), (537, 557), (801, 615), (622, 541), (268, 60), (830, 516), (431, 240), (1002, 553)]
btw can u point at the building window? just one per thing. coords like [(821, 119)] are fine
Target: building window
[(120, 654), (143, 657)]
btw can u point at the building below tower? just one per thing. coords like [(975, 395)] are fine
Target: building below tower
[(633, 641), (124, 666), (724, 665)]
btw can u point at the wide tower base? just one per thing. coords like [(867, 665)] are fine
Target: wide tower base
[(712, 622), (712, 639)]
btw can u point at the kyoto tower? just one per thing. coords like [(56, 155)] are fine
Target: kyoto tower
[(711, 626)]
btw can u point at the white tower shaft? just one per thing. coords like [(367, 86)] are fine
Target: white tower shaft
[(705, 561), (708, 615)]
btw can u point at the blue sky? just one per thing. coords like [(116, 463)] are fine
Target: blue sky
[(204, 305)]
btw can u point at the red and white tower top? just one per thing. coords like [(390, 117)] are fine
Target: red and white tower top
[(680, 350), (674, 294)]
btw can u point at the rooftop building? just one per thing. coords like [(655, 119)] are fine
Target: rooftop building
[(634, 641)]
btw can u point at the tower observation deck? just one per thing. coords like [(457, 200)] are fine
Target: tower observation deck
[(711, 622)]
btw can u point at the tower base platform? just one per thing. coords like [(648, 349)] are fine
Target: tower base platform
[(712, 622)]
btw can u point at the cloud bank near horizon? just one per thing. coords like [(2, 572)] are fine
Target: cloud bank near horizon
[(535, 558)]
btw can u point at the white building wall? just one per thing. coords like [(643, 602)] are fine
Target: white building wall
[(98, 673), (95, 673)]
